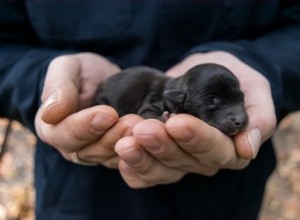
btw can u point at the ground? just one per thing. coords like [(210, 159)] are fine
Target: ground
[(282, 199), (281, 202)]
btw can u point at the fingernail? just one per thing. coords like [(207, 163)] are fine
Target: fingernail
[(179, 130), (102, 120), (254, 138), (51, 100), (151, 142), (181, 134)]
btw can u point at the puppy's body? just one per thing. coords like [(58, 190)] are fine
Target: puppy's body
[(207, 91), (132, 90)]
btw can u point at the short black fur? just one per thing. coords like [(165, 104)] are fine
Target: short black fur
[(208, 91)]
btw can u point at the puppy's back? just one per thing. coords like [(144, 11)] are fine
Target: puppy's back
[(127, 90)]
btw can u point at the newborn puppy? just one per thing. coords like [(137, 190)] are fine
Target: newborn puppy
[(207, 91)]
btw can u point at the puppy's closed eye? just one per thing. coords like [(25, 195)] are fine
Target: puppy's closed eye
[(215, 100)]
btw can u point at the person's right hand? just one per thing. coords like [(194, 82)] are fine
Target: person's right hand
[(65, 119), (162, 153)]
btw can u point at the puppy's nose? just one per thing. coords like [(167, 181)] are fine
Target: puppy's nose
[(239, 120), (236, 122)]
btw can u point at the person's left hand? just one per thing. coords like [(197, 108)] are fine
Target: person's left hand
[(160, 153)]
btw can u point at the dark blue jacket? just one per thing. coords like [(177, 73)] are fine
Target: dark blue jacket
[(159, 33)]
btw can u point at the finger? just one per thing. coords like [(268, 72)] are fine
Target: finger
[(139, 169), (132, 178), (205, 143), (262, 119), (78, 129), (152, 136), (102, 151), (61, 89), (94, 69)]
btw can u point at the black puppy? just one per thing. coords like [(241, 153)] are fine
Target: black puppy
[(208, 91)]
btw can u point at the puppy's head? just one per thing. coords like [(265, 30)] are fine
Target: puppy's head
[(212, 93)]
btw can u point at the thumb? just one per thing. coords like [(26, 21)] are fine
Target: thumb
[(260, 108), (248, 142), (262, 123), (61, 89)]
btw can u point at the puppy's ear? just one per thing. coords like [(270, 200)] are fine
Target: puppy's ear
[(174, 98)]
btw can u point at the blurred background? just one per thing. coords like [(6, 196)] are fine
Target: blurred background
[(281, 202)]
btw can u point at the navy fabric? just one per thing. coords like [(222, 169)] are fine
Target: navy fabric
[(158, 33), (70, 191)]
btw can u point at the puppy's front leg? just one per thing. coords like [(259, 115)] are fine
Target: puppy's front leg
[(152, 110)]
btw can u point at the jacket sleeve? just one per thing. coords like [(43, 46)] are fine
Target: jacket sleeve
[(22, 66), (22, 71), (275, 54)]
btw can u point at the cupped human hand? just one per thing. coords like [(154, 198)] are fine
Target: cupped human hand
[(66, 120), (258, 99), (159, 153)]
